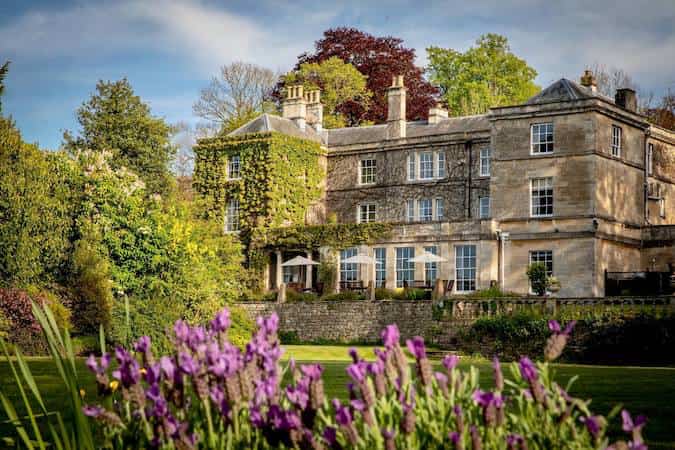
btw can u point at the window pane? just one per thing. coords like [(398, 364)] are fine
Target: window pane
[(545, 257), (441, 164), (426, 165), (424, 207), (542, 138), (465, 266), (367, 213), (542, 197), (485, 162), (232, 216), (431, 269), (410, 210), (484, 206), (348, 271), (368, 171), (440, 209), (380, 266), (405, 270), (411, 166), (234, 167)]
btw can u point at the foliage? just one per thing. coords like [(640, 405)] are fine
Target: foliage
[(3, 73), (343, 296), (340, 83), (482, 77), (295, 296), (536, 273), (663, 114), (143, 401), (379, 59), (115, 119), (335, 236), (236, 95), (328, 275), (91, 282), (36, 210)]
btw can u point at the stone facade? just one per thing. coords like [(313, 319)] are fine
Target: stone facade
[(611, 175)]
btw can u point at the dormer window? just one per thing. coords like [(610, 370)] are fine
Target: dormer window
[(234, 168), (541, 138)]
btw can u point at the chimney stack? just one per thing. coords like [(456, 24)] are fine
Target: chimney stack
[(396, 123), (588, 80), (626, 99), (294, 106), (437, 113), (314, 109)]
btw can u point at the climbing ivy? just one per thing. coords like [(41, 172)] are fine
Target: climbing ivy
[(336, 236)]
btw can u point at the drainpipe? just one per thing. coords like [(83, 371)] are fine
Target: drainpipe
[(503, 237)]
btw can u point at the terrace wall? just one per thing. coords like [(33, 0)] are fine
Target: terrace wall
[(362, 321)]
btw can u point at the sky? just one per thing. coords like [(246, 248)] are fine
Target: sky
[(169, 50)]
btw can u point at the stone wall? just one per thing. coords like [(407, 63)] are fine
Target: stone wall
[(362, 321)]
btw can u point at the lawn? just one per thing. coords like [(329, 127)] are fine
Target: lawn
[(649, 391)]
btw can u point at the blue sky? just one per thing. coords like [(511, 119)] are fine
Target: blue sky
[(170, 49)]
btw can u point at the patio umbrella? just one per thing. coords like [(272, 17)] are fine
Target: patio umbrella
[(427, 257), (299, 261)]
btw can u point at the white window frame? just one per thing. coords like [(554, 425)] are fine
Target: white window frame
[(484, 162), (412, 166), (662, 207), (348, 271), (440, 164), (231, 173), (548, 185), (368, 171), (380, 255), (403, 265), (232, 216), (422, 206), (410, 211), (484, 207), (440, 209), (366, 213), (465, 268), (543, 256), (426, 171), (535, 145), (617, 136), (650, 159)]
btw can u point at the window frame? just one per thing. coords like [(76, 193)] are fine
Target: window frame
[(410, 210), (439, 203), (230, 164), (404, 266), (440, 165), (424, 170), (232, 222), (425, 218), (367, 172), (616, 140), (662, 207), (484, 162), (380, 255), (650, 159), (480, 207), (546, 143), (368, 212), (532, 202), (461, 270), (348, 271), (431, 267)]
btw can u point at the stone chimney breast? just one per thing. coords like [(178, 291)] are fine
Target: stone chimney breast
[(437, 114), (314, 109), (396, 113), (294, 106), (626, 99)]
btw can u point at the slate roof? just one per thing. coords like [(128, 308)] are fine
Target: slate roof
[(565, 90), (267, 122)]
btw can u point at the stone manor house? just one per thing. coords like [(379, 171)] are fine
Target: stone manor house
[(571, 178)]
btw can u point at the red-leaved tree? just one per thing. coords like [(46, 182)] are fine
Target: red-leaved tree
[(379, 58)]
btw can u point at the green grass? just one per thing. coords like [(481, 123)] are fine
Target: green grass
[(649, 391)]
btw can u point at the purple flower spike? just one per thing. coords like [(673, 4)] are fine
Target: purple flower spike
[(181, 330), (629, 425), (357, 371), (343, 416), (330, 435), (450, 362), (187, 364), (390, 336), (593, 425), (569, 327), (221, 322), (527, 369), (416, 347), (312, 371), (143, 344), (167, 366), (499, 376), (554, 326), (92, 410), (454, 438)]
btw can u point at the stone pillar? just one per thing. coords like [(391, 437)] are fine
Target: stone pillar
[(371, 290), (337, 270), (391, 268), (281, 294), (308, 272), (279, 273)]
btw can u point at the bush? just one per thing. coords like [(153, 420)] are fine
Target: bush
[(536, 273), (294, 296), (344, 296), (16, 307), (327, 275)]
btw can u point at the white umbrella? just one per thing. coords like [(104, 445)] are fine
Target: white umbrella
[(299, 261), (359, 259), (427, 257)]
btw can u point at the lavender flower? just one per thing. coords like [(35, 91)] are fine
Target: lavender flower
[(456, 440), (221, 322), (515, 441), (476, 442), (558, 340), (529, 373), (634, 427), (390, 336), (450, 362), (594, 425), (499, 376)]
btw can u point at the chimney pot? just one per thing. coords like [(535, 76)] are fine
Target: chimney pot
[(626, 99), (314, 109), (294, 106), (437, 113), (588, 80)]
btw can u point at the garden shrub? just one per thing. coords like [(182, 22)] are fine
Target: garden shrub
[(236, 399), (16, 307), (536, 273), (344, 296), (295, 296)]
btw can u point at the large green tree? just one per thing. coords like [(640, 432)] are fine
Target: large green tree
[(339, 82), (484, 76), (116, 119)]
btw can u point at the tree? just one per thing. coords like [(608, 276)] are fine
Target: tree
[(484, 76), (236, 96), (539, 280), (115, 119), (663, 115), (339, 82), (609, 79), (379, 59), (3, 73)]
